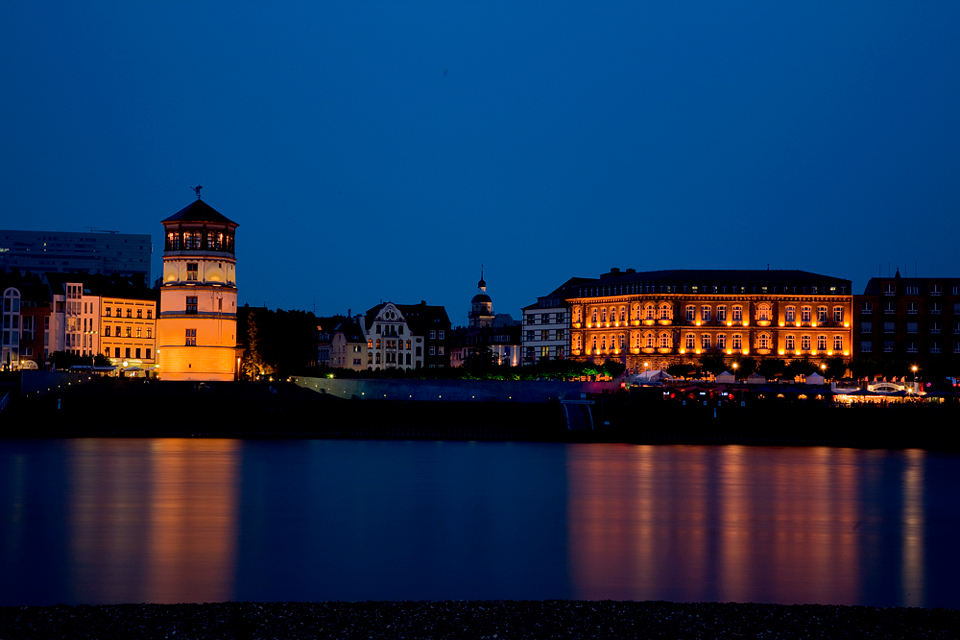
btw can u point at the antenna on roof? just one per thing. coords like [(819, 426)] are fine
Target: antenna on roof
[(197, 190)]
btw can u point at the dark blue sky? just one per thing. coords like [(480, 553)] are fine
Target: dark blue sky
[(384, 150)]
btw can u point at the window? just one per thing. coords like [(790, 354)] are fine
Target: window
[(737, 342), (665, 313), (721, 315), (545, 334), (911, 347), (193, 271), (866, 327), (106, 312), (149, 314), (737, 313), (149, 332), (805, 314), (623, 314), (721, 341), (838, 314), (912, 291), (117, 332), (191, 338), (821, 315), (433, 351), (789, 343), (648, 341), (866, 346), (888, 346), (866, 307), (935, 308), (705, 342), (433, 335), (440, 333), (127, 352), (593, 316), (691, 341), (138, 353), (440, 350), (912, 327), (888, 327), (934, 347), (116, 352), (888, 308), (821, 343), (650, 312), (530, 335), (934, 327), (763, 341), (763, 313), (691, 313), (805, 343), (191, 304), (139, 313), (791, 314), (129, 332), (106, 331), (913, 308), (138, 332), (603, 314), (664, 340), (129, 313), (705, 314)]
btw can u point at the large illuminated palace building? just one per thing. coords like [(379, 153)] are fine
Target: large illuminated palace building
[(198, 299), (655, 319)]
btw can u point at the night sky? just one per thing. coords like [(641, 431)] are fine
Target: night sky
[(383, 151)]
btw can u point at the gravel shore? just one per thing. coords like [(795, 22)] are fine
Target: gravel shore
[(493, 620)]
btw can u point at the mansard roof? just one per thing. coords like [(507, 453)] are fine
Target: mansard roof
[(199, 211)]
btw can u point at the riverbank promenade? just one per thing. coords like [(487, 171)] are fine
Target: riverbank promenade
[(109, 407)]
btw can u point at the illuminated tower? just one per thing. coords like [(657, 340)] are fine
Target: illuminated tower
[(197, 328), (481, 307)]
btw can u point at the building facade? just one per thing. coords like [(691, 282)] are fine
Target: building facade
[(655, 319), (546, 325), (406, 336), (198, 296), (104, 252), (911, 320)]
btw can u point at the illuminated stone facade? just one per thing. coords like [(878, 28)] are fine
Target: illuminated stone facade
[(654, 319), (198, 298)]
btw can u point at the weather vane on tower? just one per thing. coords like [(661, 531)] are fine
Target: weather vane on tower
[(197, 190)]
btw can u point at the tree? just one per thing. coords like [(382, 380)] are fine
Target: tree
[(713, 363), (772, 368)]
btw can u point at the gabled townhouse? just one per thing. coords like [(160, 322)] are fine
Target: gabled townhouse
[(405, 336)]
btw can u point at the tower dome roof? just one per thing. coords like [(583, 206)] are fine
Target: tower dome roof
[(481, 297), (199, 211)]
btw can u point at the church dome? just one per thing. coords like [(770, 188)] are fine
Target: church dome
[(481, 298)]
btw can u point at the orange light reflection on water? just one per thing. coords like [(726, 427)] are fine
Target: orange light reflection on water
[(733, 523), (168, 533)]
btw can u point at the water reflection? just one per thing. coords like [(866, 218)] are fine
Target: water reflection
[(736, 524), (153, 521), (111, 521)]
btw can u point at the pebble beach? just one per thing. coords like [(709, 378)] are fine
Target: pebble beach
[(487, 620)]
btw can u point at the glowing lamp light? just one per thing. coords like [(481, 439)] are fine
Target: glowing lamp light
[(813, 324), (846, 325), (682, 351), (782, 352), (782, 324), (729, 323), (798, 323), (729, 352), (698, 323), (697, 351), (829, 353), (746, 323), (746, 351), (846, 353)]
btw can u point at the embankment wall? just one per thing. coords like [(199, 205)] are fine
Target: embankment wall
[(453, 390)]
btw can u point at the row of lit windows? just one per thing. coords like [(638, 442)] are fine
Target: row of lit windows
[(763, 313), (212, 240), (129, 333), (650, 340), (146, 353), (106, 313), (635, 288)]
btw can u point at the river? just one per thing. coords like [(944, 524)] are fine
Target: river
[(192, 520)]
